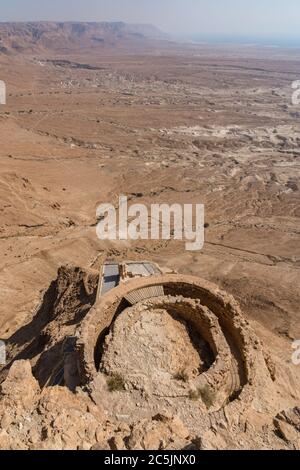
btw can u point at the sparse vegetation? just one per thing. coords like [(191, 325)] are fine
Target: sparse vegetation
[(193, 395), (206, 394), (115, 383), (182, 376)]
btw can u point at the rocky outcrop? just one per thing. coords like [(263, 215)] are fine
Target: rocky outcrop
[(180, 371), (53, 418), (161, 432), (287, 424), (63, 306)]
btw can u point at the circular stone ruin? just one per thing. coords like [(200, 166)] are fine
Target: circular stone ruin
[(155, 348), (188, 352)]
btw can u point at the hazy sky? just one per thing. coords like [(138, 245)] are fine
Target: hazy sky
[(235, 17)]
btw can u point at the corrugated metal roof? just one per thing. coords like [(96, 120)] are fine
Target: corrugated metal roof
[(111, 278), (144, 294)]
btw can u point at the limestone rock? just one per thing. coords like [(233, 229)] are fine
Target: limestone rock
[(20, 387), (52, 419), (159, 433), (287, 424)]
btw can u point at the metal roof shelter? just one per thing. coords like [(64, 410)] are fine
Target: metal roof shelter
[(112, 274)]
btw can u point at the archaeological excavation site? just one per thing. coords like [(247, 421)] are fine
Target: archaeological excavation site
[(140, 357)]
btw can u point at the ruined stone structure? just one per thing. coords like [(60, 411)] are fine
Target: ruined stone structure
[(213, 314), (140, 358)]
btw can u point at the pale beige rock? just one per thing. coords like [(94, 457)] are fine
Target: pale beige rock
[(159, 433), (20, 385)]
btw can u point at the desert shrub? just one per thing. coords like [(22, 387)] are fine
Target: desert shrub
[(206, 394), (194, 395), (115, 383), (182, 376)]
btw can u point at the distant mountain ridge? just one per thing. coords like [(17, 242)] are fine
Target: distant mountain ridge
[(34, 36)]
